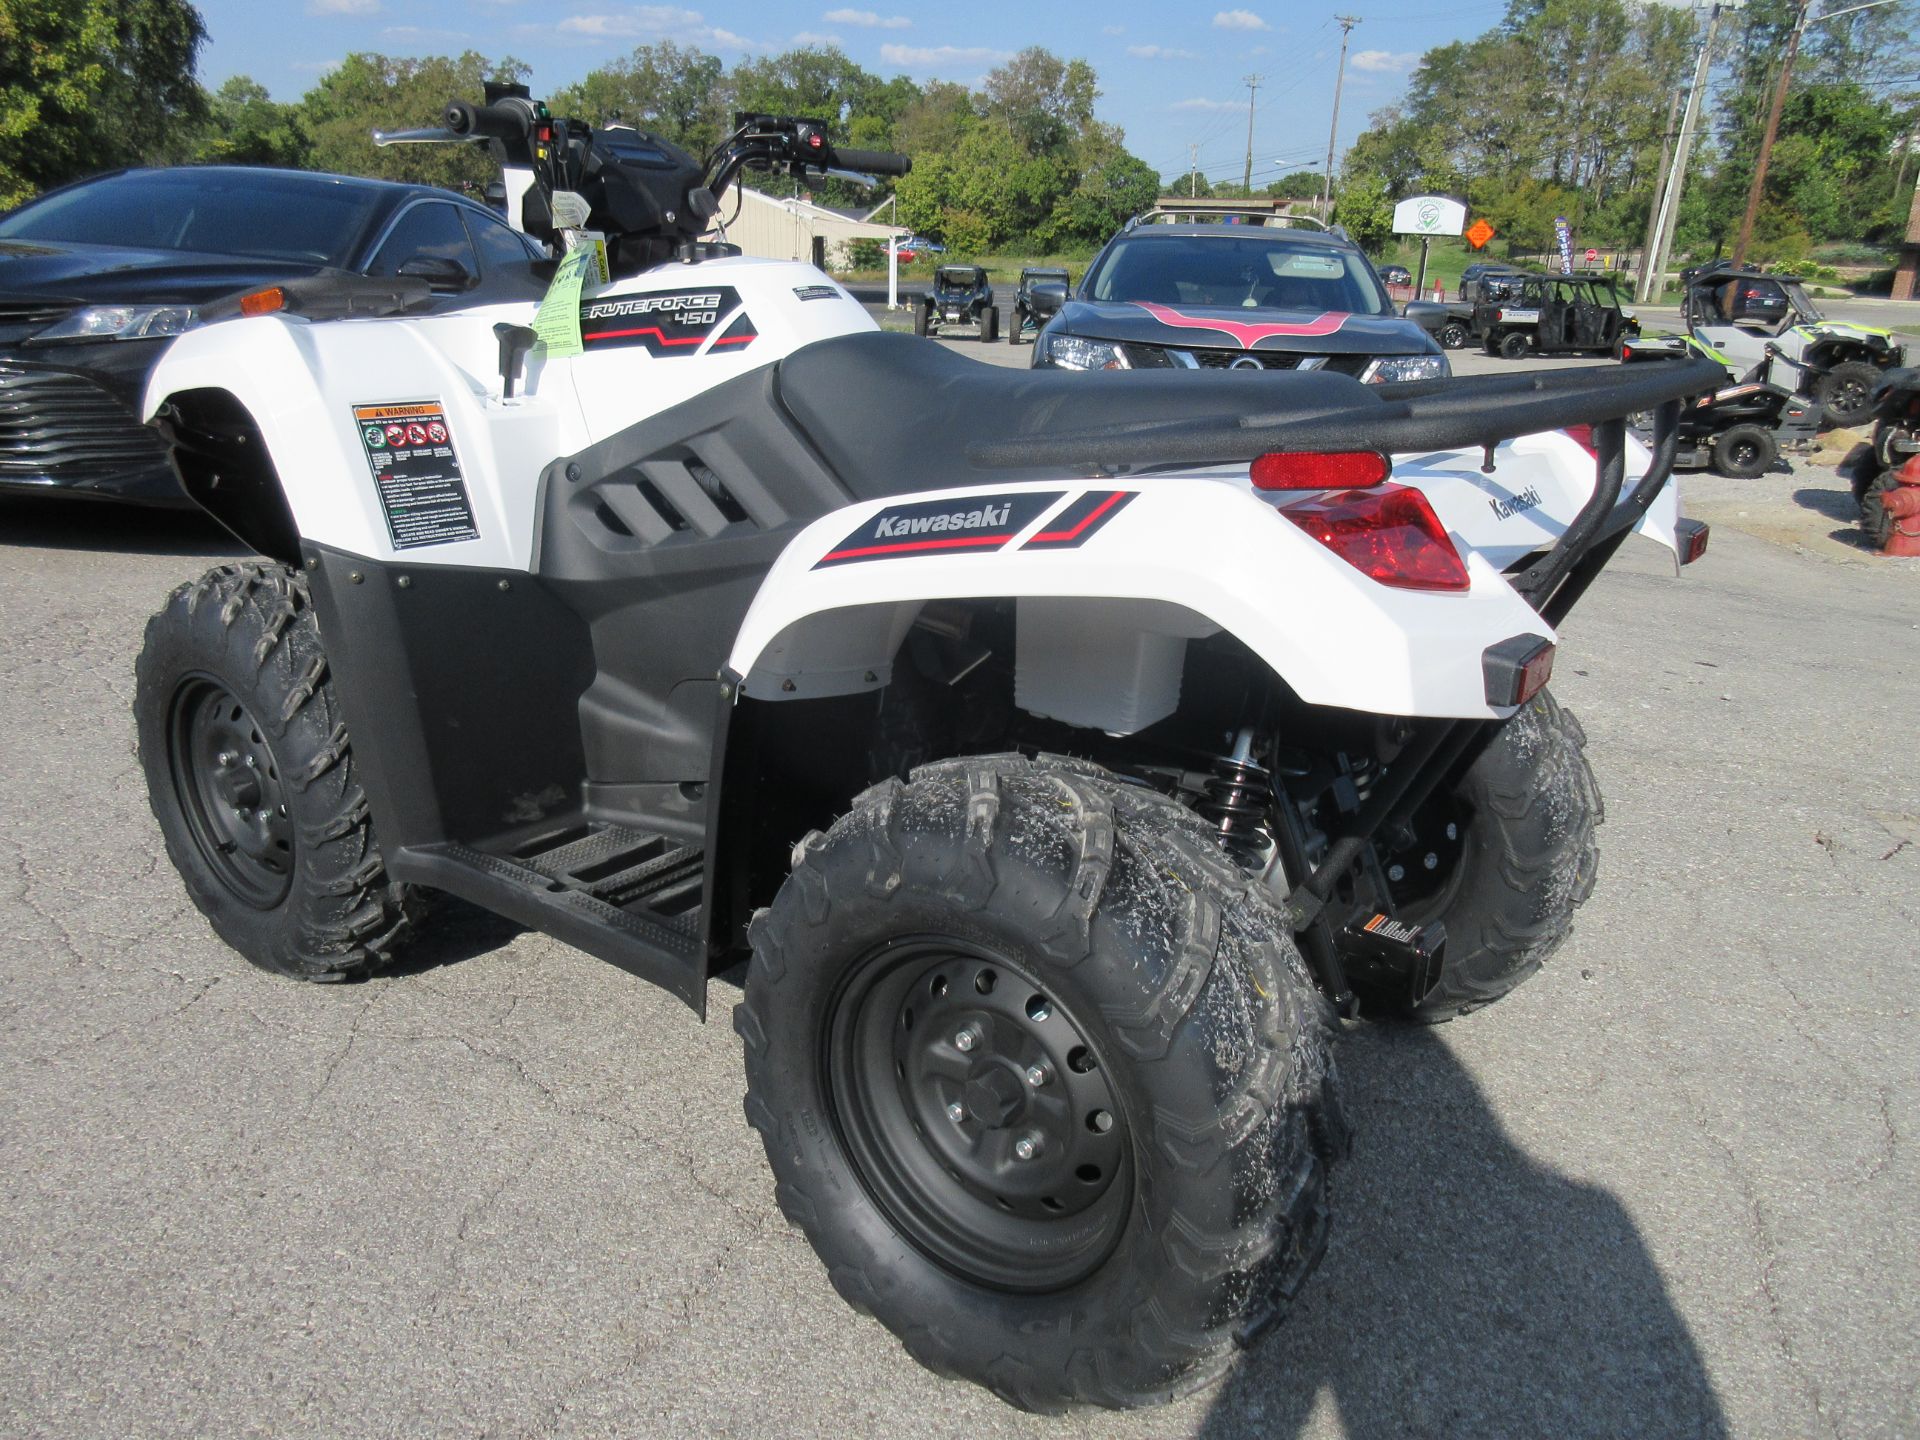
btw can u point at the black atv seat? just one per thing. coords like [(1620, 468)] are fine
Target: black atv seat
[(892, 415)]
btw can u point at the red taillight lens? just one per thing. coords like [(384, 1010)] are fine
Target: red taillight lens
[(1518, 669), (263, 302), (1583, 434), (1342, 470), (1390, 535)]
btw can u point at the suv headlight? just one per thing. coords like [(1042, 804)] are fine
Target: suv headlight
[(121, 322), (1389, 368), (1073, 352)]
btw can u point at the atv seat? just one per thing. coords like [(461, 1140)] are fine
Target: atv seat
[(892, 415)]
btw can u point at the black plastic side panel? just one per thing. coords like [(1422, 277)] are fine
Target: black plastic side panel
[(658, 538), (460, 689), (223, 465)]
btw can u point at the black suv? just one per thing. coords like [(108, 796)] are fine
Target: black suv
[(960, 296), (1235, 296)]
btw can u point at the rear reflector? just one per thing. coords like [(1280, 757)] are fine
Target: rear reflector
[(1690, 537), (1583, 434), (263, 302), (1516, 669), (1342, 470), (1389, 534)]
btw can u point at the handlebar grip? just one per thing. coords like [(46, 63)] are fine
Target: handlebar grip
[(503, 120), (874, 162)]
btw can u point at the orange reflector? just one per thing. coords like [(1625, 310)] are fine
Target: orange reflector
[(1390, 535), (263, 302), (1309, 470)]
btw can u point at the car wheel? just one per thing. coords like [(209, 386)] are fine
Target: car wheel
[(1453, 335), (1043, 1080)]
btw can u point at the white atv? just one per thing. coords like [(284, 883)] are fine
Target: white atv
[(1054, 758)]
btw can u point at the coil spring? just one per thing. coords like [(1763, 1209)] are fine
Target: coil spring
[(1239, 801)]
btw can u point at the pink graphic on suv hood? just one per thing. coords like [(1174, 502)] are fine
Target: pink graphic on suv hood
[(1246, 334)]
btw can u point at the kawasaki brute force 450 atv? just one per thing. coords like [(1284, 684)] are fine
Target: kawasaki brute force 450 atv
[(1055, 759)]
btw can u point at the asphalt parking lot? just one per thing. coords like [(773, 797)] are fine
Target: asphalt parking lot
[(1670, 1187)]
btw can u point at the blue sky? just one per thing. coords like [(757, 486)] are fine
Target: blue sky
[(1170, 75)]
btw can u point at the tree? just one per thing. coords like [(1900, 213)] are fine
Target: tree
[(1043, 101), (369, 91), (86, 85), (245, 126), (1364, 207), (1300, 185), (679, 93)]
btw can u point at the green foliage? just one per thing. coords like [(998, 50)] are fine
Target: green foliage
[(368, 92), (677, 93), (1364, 207), (245, 126), (1300, 185), (86, 85)]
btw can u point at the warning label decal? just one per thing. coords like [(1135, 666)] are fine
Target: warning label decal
[(416, 473)]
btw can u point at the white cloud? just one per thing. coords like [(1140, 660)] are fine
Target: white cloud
[(421, 35), (1159, 52), (1385, 60), (1208, 105), (663, 22), (343, 7), (814, 37), (1113, 29), (938, 56), (1239, 20), (867, 19)]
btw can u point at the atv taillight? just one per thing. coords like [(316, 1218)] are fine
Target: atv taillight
[(1388, 534), (1690, 538), (1311, 470), (263, 302)]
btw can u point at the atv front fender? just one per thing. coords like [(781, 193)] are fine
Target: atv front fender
[(1111, 577)]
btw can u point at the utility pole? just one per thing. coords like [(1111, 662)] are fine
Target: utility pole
[(1252, 83), (1347, 22), (1193, 172), (1670, 201), (1766, 140), (1663, 179)]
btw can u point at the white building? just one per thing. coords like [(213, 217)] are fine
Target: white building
[(776, 227)]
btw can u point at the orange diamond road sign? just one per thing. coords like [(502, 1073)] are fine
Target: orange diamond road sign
[(1479, 233)]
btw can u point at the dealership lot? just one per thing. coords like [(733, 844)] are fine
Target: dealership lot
[(1669, 1187)]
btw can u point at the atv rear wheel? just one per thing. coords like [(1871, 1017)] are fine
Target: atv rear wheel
[(1514, 345), (920, 321), (1745, 451), (1453, 335), (1043, 1080), (1847, 392), (251, 778), (1514, 855)]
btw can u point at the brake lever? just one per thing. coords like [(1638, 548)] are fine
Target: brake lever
[(428, 135)]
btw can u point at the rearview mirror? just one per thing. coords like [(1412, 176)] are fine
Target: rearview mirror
[(1048, 298), (441, 272)]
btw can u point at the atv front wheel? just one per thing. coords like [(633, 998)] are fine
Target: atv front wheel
[(989, 325), (1013, 326), (1043, 1080), (1745, 451), (1875, 518), (251, 778), (1502, 861), (1846, 392)]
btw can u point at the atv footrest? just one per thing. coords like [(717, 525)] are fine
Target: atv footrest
[(628, 896)]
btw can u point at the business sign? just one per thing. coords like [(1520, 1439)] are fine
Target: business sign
[(1429, 215), (1563, 237)]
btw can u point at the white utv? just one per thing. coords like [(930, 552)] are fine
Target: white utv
[(1055, 760)]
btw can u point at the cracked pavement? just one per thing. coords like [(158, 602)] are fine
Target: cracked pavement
[(1669, 1187)]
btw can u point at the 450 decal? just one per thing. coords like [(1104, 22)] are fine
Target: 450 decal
[(673, 322)]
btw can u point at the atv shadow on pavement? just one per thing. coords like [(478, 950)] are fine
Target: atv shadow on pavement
[(62, 523), (1467, 1289)]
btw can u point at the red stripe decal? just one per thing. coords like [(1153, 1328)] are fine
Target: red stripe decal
[(959, 542), (645, 330), (1104, 506), (1247, 334)]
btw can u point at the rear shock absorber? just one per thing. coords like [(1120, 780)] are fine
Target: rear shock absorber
[(1239, 801)]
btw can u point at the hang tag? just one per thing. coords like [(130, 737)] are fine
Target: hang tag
[(557, 322), (569, 209)]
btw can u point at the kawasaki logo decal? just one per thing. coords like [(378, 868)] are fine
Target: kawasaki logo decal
[(971, 524), (1506, 509)]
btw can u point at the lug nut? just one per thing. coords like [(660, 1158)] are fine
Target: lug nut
[(1029, 1146), (1038, 1075), (966, 1039), (225, 757), (1396, 873), (1432, 862), (956, 1112), (252, 764)]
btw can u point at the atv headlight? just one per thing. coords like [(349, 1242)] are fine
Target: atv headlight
[(1389, 368), (1072, 352), (121, 322)]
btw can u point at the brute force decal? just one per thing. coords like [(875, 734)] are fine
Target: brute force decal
[(1248, 334), (1081, 520), (969, 524), (668, 323)]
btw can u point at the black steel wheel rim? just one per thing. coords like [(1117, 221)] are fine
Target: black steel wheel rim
[(1745, 452), (230, 791), (978, 1114), (1850, 398)]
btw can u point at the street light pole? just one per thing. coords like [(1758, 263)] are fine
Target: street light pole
[(1347, 22)]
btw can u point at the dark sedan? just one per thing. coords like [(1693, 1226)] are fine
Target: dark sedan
[(95, 277)]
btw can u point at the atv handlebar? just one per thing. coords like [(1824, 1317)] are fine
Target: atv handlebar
[(873, 162), (506, 119)]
